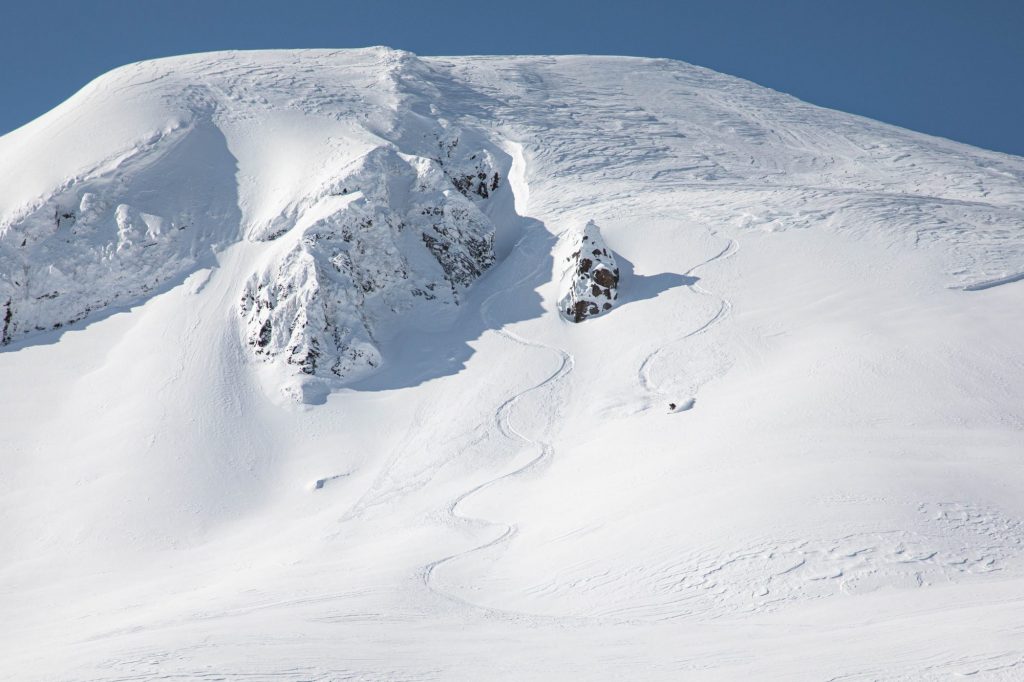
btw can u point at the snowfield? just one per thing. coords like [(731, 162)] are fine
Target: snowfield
[(288, 390)]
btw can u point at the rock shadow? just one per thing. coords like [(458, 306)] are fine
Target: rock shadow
[(505, 294), (49, 337), (634, 287)]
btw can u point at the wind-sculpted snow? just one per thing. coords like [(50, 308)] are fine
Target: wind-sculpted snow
[(731, 152), (120, 232)]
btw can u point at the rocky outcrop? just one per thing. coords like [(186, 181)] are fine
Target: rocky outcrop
[(369, 214), (590, 279), (379, 253)]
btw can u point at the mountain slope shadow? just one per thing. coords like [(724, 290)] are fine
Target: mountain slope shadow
[(506, 294), (634, 287)]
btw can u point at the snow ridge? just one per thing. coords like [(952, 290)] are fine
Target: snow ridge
[(116, 234)]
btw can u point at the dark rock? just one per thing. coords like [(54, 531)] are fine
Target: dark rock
[(5, 335), (589, 284), (605, 278)]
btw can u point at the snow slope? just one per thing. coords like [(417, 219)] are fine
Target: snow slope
[(484, 489)]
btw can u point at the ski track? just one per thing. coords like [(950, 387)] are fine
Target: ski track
[(992, 283), (503, 421), (644, 373)]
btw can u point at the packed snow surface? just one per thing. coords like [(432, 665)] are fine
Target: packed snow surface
[(288, 391)]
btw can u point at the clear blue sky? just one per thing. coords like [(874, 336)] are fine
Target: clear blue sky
[(948, 67)]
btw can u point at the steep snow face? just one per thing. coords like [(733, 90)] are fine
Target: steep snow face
[(121, 232), (738, 156), (268, 146), (590, 279), (484, 489), (384, 220)]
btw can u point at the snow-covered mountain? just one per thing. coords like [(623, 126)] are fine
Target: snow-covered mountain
[(375, 212), (293, 385)]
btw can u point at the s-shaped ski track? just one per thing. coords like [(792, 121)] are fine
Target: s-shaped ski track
[(644, 373), (503, 421)]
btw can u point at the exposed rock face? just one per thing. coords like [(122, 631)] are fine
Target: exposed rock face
[(398, 236), (590, 281)]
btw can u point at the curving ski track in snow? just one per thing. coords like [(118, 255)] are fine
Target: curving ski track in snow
[(644, 373), (503, 414), (503, 421)]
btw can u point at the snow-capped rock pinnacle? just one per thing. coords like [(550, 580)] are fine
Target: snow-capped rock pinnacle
[(590, 276)]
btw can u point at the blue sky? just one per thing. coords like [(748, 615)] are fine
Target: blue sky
[(946, 67)]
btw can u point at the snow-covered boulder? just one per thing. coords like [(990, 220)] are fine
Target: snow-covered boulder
[(590, 278)]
